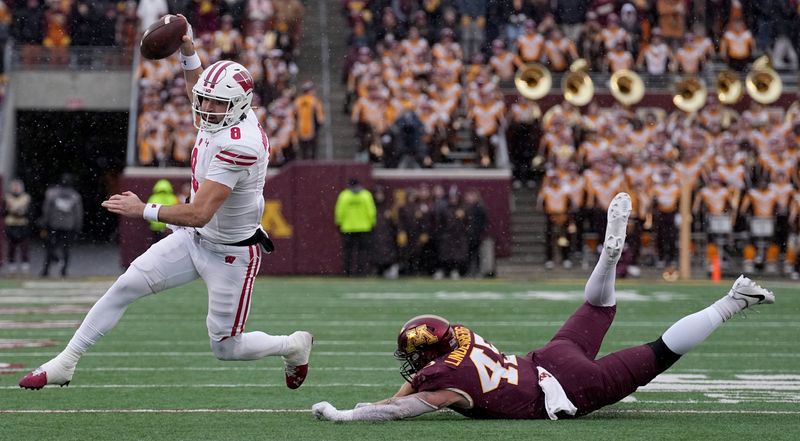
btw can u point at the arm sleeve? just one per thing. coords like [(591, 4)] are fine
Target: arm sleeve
[(396, 409), (230, 165)]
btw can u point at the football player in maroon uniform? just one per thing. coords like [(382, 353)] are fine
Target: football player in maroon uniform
[(451, 366)]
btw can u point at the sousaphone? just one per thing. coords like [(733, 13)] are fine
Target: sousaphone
[(577, 85), (626, 86), (533, 81), (763, 84)]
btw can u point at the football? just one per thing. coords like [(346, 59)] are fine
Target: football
[(162, 38)]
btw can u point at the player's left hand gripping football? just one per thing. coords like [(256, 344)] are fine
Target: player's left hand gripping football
[(126, 204)]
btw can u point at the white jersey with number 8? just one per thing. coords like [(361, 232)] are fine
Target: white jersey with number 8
[(236, 157)]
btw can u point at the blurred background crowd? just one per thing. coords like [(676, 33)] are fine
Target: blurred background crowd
[(420, 72), (431, 83), (740, 171), (426, 230)]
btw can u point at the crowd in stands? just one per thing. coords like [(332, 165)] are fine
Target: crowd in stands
[(419, 71), (46, 29), (428, 231), (741, 170), (263, 35)]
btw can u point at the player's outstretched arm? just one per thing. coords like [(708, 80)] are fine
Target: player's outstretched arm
[(209, 197), (405, 389), (395, 408)]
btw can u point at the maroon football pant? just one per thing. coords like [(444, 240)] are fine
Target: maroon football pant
[(591, 384)]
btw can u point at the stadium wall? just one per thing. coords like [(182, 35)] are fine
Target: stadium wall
[(300, 200), (80, 90)]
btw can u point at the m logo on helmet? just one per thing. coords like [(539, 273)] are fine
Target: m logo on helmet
[(244, 79), (419, 336)]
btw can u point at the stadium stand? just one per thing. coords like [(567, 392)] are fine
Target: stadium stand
[(265, 36), (405, 55), (430, 84)]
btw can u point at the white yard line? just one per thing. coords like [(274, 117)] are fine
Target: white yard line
[(220, 369), (50, 411), (207, 386), (223, 411), (39, 324), (707, 412), (754, 373), (387, 354)]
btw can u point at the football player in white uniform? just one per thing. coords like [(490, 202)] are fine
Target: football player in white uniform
[(219, 237)]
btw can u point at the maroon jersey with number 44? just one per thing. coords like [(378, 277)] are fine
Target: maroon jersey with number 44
[(496, 385)]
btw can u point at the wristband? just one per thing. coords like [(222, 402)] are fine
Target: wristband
[(151, 212), (191, 62)]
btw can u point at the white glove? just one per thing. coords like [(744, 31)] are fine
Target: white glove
[(325, 411)]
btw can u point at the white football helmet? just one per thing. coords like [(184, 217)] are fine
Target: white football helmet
[(224, 81)]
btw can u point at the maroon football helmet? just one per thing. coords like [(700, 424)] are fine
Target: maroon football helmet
[(423, 339)]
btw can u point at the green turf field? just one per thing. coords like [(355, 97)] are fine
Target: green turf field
[(154, 378)]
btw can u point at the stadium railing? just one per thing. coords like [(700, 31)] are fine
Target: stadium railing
[(97, 58)]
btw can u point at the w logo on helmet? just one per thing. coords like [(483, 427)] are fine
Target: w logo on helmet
[(419, 336), (244, 79)]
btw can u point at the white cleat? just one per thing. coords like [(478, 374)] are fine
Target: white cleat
[(747, 293), (618, 212), (296, 363)]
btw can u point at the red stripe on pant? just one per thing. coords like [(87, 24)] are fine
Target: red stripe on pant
[(246, 286), (250, 289)]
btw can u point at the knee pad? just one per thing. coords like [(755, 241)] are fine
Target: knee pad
[(225, 349)]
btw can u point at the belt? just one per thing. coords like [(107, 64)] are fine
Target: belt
[(259, 237), (252, 240)]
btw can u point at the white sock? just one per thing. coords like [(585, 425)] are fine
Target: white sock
[(68, 359), (692, 330), (599, 289), (727, 307), (251, 346)]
